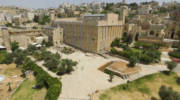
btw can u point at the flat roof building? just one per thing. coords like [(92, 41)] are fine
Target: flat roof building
[(92, 32)]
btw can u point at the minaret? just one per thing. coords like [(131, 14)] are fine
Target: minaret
[(123, 1), (52, 15)]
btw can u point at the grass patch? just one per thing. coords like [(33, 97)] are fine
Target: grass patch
[(142, 88), (2, 56), (104, 97), (137, 84), (25, 91)]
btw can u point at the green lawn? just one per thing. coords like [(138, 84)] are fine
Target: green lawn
[(140, 89), (25, 91)]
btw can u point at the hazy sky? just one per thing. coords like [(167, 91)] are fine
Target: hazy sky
[(56, 3)]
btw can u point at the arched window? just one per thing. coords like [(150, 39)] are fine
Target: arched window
[(151, 33), (157, 35)]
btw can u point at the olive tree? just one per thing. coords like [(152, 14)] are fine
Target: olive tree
[(171, 65)]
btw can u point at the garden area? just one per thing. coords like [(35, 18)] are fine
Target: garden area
[(24, 63), (160, 86), (52, 61), (141, 52), (26, 92)]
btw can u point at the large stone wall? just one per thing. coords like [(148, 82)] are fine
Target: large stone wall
[(23, 37), (57, 37)]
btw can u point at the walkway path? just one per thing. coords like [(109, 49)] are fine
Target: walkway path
[(177, 69)]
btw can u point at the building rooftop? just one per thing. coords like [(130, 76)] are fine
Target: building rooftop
[(94, 15), (68, 20)]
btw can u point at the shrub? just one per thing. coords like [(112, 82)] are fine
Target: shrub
[(145, 59), (52, 64), (67, 50), (66, 66), (154, 54), (47, 44), (175, 54), (9, 58), (115, 43), (31, 48), (178, 80), (168, 94), (14, 46), (148, 45), (114, 51), (171, 65), (132, 61), (111, 76), (53, 85), (127, 39), (19, 56)]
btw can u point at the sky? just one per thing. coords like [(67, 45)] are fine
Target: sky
[(56, 3)]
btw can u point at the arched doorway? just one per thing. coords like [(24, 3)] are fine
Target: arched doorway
[(157, 35), (125, 34), (137, 37), (151, 33), (172, 33)]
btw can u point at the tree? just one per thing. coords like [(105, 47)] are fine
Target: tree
[(36, 19), (168, 93), (52, 64), (28, 64), (8, 25), (57, 56), (9, 86), (171, 65), (39, 81), (14, 46), (61, 69), (69, 65), (45, 19), (9, 58), (132, 61), (115, 43), (31, 48), (134, 6), (66, 66), (19, 56), (114, 51), (126, 38), (47, 44), (111, 76), (154, 54)]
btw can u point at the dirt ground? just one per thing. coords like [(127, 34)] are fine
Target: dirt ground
[(12, 76)]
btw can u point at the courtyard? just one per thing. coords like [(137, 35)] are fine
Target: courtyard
[(87, 79)]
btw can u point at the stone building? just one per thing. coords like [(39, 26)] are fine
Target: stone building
[(55, 35), (93, 33), (23, 36)]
